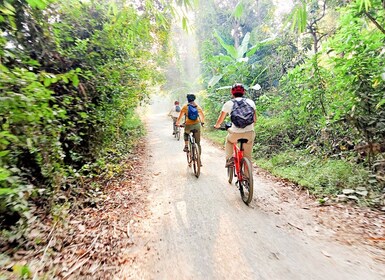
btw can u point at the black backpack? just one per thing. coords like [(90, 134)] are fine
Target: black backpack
[(242, 113)]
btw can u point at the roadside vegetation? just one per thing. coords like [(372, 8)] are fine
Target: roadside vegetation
[(71, 77), (73, 74), (321, 114)]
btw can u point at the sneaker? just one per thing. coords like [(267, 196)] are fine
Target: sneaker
[(185, 149), (229, 162)]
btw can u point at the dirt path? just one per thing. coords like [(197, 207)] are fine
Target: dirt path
[(200, 228)]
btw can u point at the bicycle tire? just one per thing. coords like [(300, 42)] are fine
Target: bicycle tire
[(247, 182), (230, 174), (188, 154), (178, 134), (196, 160)]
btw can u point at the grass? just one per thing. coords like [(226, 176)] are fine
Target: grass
[(321, 176), (217, 136)]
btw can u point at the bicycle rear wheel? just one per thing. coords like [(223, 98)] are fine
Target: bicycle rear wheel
[(196, 160), (230, 173), (246, 185)]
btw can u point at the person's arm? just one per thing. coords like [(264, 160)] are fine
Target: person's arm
[(220, 120), (181, 114), (201, 115)]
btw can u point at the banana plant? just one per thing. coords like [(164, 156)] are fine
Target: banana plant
[(236, 55), (243, 52)]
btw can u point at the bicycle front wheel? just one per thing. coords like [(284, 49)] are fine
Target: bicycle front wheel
[(178, 134), (189, 154), (196, 160), (246, 184)]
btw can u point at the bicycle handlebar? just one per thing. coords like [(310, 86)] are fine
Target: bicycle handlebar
[(183, 125), (226, 127)]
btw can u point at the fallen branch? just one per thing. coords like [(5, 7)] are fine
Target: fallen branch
[(40, 266), (80, 264), (290, 224)]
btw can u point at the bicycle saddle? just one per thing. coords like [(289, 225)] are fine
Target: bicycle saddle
[(243, 140)]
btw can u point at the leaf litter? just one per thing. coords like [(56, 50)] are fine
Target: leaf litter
[(90, 242)]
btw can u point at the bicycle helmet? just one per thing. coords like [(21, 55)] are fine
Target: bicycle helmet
[(237, 88), (190, 97)]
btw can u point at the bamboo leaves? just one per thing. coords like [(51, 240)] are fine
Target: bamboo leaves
[(299, 16)]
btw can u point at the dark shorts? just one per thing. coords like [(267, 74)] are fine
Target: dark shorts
[(197, 135)]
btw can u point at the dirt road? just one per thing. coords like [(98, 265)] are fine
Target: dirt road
[(201, 229)]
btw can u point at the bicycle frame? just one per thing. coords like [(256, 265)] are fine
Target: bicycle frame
[(191, 140), (193, 156), (238, 155), (191, 137), (244, 176)]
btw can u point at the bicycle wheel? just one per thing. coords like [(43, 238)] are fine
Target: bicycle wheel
[(189, 154), (177, 134), (230, 173), (246, 185), (196, 160)]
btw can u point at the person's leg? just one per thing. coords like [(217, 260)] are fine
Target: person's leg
[(197, 136), (231, 138), (173, 125), (185, 137), (248, 147)]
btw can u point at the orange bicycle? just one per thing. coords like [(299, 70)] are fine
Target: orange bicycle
[(242, 169)]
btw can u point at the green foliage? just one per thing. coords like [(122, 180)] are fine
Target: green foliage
[(274, 135), (71, 77), (298, 17), (22, 271), (328, 102)]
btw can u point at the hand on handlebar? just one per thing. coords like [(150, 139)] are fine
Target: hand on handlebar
[(225, 127)]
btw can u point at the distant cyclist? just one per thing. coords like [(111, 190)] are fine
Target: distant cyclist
[(194, 119), (174, 114), (243, 117)]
